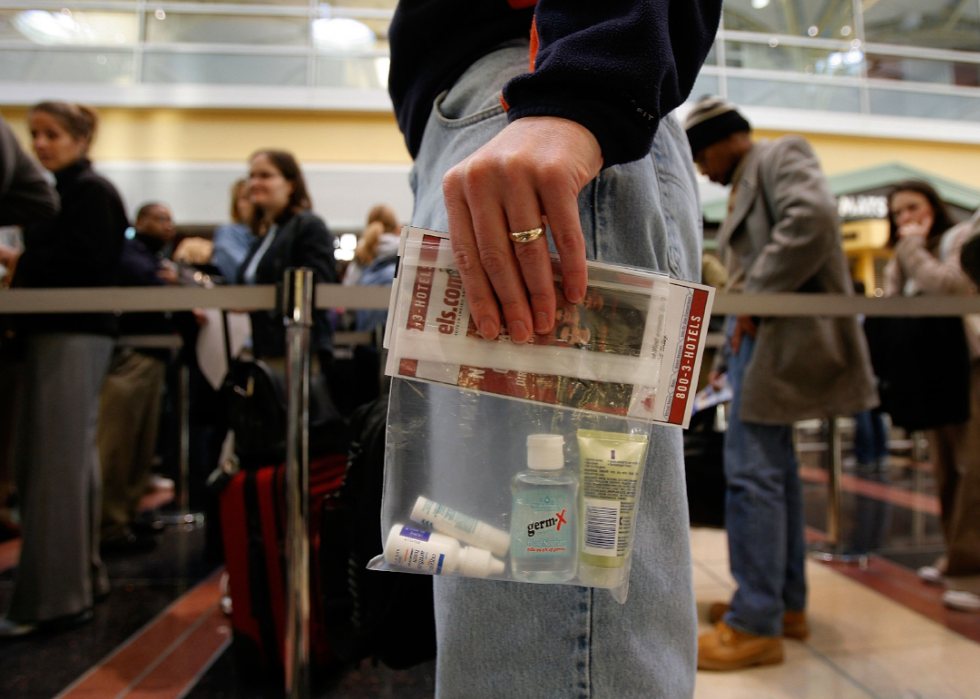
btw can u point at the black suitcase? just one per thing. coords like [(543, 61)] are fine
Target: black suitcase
[(704, 468)]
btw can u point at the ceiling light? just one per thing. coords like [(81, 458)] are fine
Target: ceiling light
[(342, 34), (759, 4)]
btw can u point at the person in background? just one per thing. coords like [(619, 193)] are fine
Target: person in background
[(289, 235), (375, 261), (781, 235), (926, 261), (60, 574), (233, 241), (132, 394), (379, 238), (25, 197)]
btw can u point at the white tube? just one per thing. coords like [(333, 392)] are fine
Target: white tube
[(455, 524), (434, 554)]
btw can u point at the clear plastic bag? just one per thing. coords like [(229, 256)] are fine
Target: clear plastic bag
[(524, 462), (466, 494)]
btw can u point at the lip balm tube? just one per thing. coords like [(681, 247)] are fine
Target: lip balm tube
[(469, 530), (612, 463), (435, 554)]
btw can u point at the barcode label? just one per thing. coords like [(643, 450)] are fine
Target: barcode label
[(601, 527)]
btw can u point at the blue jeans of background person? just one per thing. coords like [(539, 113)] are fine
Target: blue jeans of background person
[(523, 641), (763, 516), (870, 438)]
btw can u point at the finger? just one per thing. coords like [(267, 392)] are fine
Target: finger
[(560, 204), (466, 253), (523, 214), (501, 267)]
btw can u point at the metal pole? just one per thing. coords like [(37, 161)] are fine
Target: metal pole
[(184, 462), (298, 315), (184, 518), (835, 471)]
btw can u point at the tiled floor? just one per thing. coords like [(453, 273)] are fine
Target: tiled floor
[(877, 631), (862, 643)]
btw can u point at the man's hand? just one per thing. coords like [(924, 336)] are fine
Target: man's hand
[(8, 256), (744, 325), (532, 171), (716, 380), (168, 275)]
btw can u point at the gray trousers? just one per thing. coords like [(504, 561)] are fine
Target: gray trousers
[(58, 476)]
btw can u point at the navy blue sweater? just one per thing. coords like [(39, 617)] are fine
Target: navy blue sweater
[(614, 66)]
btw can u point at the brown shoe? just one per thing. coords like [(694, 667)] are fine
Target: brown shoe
[(726, 648), (794, 623)]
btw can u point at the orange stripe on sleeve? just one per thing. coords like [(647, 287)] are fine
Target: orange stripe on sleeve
[(503, 103), (534, 43)]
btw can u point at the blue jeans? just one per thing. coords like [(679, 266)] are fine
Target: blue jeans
[(763, 516), (524, 641), (870, 438)]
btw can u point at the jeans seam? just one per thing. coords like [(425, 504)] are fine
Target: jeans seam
[(585, 642)]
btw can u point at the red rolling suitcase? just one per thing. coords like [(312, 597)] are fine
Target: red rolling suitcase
[(253, 523)]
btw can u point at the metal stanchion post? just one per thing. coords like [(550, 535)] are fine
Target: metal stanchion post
[(834, 473), (184, 517), (833, 548), (298, 314)]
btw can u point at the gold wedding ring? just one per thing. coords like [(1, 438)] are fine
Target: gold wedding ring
[(526, 236)]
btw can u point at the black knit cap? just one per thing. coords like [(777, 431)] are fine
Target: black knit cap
[(713, 119)]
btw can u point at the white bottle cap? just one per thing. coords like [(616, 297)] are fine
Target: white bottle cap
[(478, 563), (496, 540), (545, 452)]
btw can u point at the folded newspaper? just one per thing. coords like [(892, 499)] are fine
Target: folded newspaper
[(632, 348)]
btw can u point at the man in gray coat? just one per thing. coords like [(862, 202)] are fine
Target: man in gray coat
[(782, 235)]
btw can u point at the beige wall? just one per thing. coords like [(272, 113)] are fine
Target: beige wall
[(213, 135), (347, 137), (954, 161)]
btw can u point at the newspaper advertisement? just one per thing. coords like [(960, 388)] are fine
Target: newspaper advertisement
[(631, 348)]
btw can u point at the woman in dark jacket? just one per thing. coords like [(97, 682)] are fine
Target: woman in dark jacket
[(67, 355), (290, 235)]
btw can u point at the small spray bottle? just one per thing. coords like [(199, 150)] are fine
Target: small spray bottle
[(544, 522)]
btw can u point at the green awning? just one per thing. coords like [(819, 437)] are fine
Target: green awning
[(877, 177)]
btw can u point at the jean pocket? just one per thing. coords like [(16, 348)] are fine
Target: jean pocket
[(461, 122)]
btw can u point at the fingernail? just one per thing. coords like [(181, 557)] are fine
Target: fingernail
[(518, 332), (541, 322), (488, 329), (575, 295)]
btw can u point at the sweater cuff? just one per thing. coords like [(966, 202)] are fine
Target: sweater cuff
[(622, 138)]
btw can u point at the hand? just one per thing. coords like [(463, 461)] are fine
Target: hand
[(200, 317), (8, 256), (168, 274), (744, 325), (913, 229), (716, 380), (530, 172)]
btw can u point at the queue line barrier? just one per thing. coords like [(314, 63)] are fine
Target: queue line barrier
[(296, 299), (255, 298)]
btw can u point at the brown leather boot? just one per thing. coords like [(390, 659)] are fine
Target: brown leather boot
[(726, 648), (794, 623)]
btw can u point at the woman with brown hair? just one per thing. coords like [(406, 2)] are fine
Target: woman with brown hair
[(233, 241), (290, 235), (927, 262), (379, 238), (60, 573)]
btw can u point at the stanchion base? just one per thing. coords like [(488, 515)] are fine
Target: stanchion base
[(187, 521), (830, 554)]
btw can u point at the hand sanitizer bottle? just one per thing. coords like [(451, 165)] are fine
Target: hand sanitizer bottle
[(544, 522)]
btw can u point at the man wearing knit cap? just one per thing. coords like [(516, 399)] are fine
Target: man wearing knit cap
[(781, 235)]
